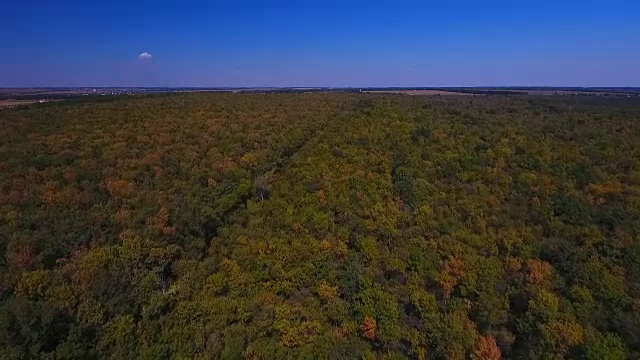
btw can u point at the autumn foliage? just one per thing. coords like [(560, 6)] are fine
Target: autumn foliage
[(368, 328), (321, 225), (486, 349)]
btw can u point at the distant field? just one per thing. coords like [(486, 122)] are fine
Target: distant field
[(418, 92), (558, 91), (36, 91), (12, 103), (571, 92)]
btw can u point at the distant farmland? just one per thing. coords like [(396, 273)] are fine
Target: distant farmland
[(418, 92), (11, 102)]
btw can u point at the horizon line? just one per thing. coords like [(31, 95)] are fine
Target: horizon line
[(328, 87)]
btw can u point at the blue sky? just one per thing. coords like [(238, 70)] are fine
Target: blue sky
[(320, 43)]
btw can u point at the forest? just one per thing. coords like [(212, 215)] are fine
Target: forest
[(321, 226)]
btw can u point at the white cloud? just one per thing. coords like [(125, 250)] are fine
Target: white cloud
[(144, 56)]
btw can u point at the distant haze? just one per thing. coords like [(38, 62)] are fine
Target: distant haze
[(320, 43)]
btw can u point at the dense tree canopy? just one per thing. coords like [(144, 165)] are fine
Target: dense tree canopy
[(264, 226)]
